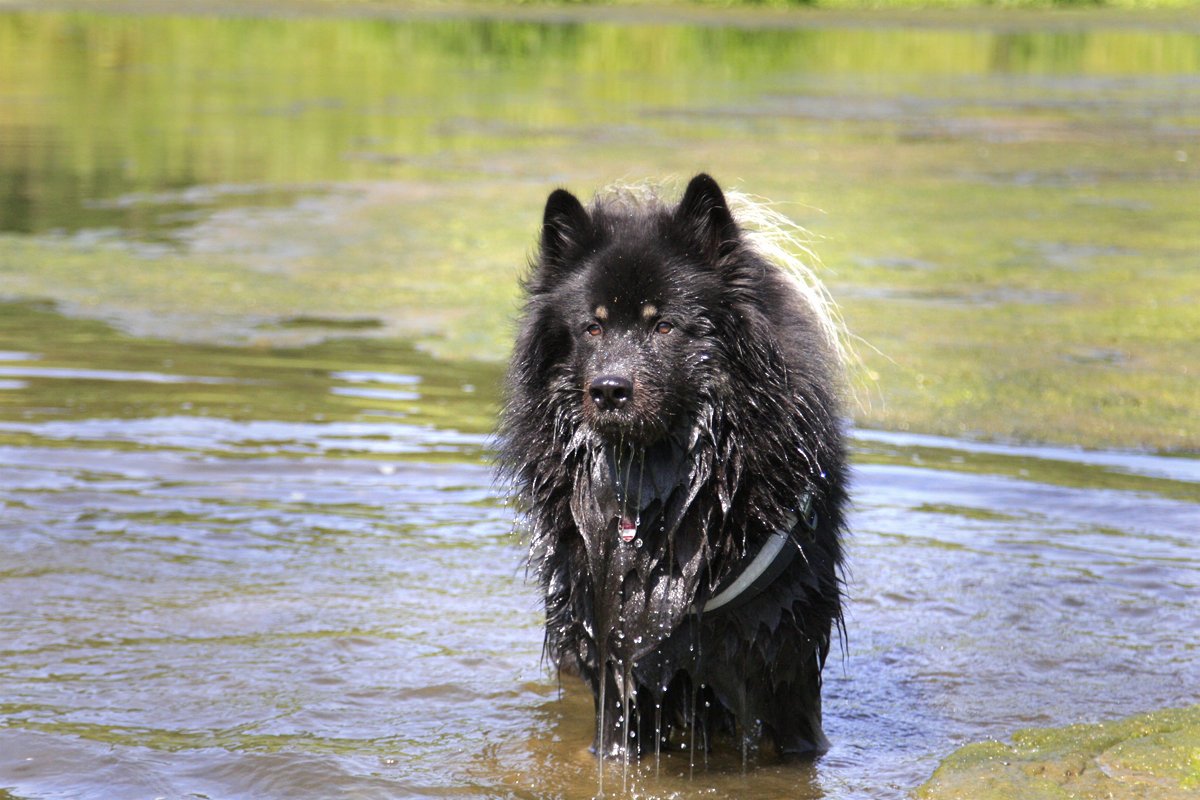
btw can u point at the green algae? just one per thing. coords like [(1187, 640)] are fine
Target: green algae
[(1153, 755), (1007, 218)]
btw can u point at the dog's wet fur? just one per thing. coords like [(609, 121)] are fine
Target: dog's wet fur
[(673, 386)]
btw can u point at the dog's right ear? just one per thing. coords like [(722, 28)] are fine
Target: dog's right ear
[(565, 226), (704, 212)]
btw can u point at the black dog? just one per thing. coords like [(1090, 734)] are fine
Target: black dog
[(672, 432)]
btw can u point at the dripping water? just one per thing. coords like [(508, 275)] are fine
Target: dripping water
[(704, 729), (600, 735), (692, 717), (627, 732), (641, 489), (657, 734)]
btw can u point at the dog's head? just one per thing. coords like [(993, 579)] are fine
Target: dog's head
[(625, 303)]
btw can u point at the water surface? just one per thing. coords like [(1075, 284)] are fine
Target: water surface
[(256, 573), (254, 549), (1006, 212)]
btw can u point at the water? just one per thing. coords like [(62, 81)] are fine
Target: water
[(218, 596), (232, 568)]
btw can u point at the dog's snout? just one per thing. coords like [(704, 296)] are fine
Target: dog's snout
[(610, 392)]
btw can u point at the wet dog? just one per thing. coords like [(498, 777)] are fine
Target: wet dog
[(672, 434)]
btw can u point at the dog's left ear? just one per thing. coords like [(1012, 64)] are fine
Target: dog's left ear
[(704, 213), (565, 224)]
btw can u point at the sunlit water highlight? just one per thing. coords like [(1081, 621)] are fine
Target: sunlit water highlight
[(331, 602)]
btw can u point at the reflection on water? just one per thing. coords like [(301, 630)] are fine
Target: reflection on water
[(151, 123), (990, 191), (226, 576)]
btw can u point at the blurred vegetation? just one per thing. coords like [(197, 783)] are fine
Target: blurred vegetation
[(1010, 221), (402, 7), (100, 107)]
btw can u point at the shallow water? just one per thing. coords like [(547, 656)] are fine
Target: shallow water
[(256, 571), (278, 588)]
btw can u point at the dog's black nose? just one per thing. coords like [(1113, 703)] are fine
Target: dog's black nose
[(610, 392)]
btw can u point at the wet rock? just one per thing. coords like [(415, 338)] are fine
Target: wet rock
[(1154, 756)]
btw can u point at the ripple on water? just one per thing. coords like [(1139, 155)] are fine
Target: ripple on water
[(257, 606)]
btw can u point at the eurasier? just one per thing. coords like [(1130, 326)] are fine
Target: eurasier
[(672, 433)]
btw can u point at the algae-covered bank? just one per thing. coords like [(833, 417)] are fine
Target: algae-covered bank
[(1154, 756)]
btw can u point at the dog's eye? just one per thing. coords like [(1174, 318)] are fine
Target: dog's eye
[(664, 327), (594, 329)]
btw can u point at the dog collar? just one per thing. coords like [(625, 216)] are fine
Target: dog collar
[(771, 561)]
